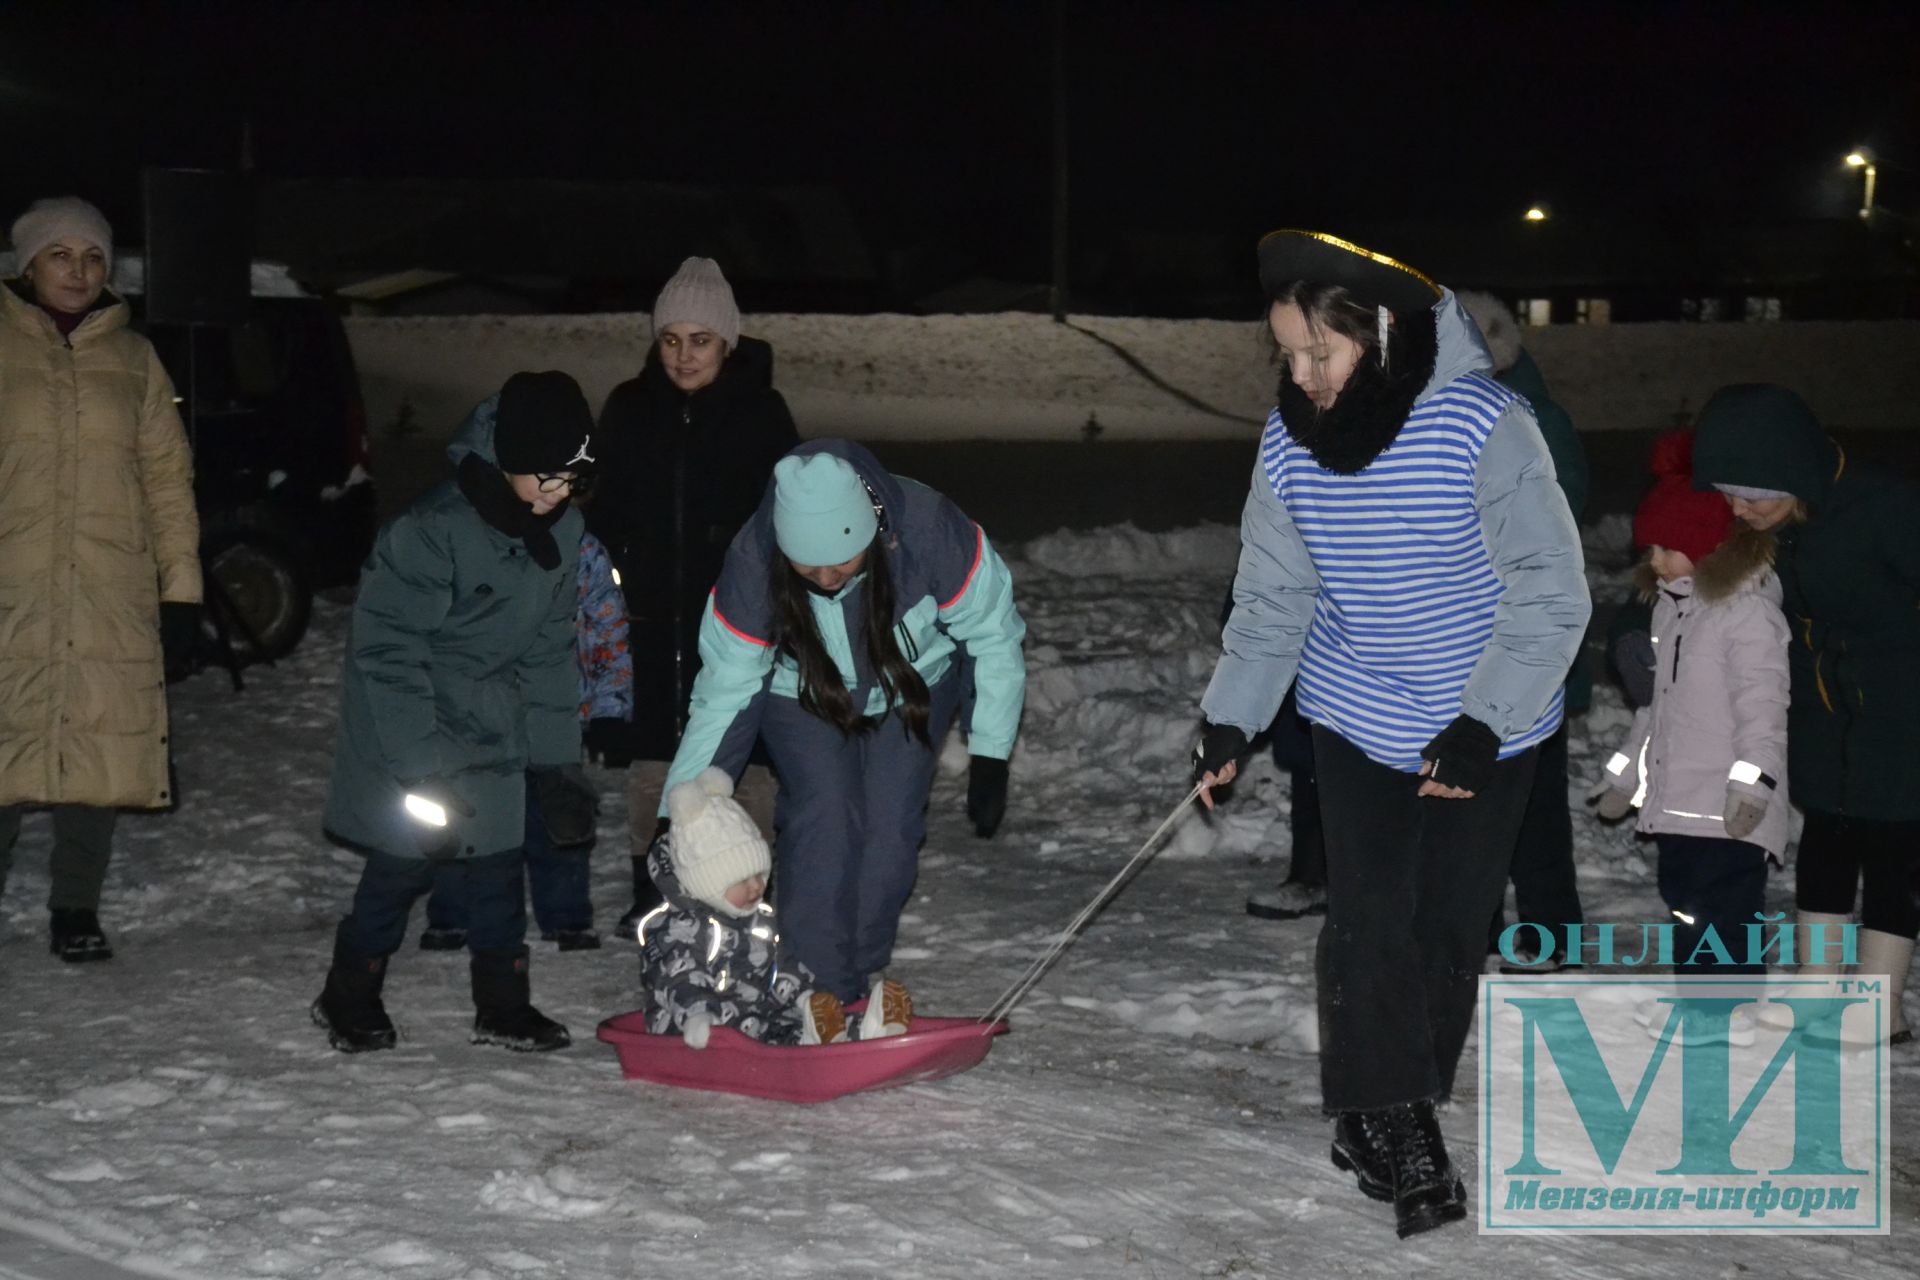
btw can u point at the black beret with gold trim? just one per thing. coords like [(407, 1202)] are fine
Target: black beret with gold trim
[(1374, 279)]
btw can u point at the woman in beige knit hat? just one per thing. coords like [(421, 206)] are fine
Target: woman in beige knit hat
[(100, 559), (689, 448)]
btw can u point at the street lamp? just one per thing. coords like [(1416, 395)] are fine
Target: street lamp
[(1864, 160)]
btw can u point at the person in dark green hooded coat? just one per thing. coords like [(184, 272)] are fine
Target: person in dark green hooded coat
[(1848, 556), (460, 694), (1545, 889)]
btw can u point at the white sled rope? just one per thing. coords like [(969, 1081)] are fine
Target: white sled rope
[(1044, 961)]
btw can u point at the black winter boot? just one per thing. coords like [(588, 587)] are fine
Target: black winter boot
[(646, 896), (1359, 1148), (504, 1012), (443, 939), (75, 936), (349, 1007), (1426, 1191)]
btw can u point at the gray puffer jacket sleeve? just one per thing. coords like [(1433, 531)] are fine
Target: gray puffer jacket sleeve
[(1274, 594), (1534, 546)]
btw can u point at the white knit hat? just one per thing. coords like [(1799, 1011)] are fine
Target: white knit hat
[(58, 218), (715, 844), (699, 294)]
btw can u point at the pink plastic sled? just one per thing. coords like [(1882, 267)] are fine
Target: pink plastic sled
[(733, 1063)]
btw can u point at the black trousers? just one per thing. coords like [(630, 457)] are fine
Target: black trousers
[(1545, 890), (1718, 882), (1842, 858), (1293, 751), (1411, 883), (82, 847)]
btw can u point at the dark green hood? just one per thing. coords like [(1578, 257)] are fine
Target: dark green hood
[(1763, 437)]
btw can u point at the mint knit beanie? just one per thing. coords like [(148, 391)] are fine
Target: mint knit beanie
[(821, 512)]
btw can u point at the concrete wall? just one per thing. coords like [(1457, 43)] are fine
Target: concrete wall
[(1023, 377)]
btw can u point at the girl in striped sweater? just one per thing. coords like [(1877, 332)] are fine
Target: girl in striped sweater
[(1406, 555)]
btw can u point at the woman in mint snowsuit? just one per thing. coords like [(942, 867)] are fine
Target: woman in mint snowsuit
[(833, 634), (1406, 552)]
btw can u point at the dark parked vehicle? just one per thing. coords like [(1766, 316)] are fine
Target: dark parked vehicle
[(281, 465)]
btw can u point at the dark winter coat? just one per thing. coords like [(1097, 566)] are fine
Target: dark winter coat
[(1556, 427), (1850, 581), (679, 474), (1569, 471), (460, 666), (695, 960)]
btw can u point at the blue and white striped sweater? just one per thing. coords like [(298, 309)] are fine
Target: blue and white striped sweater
[(1407, 590)]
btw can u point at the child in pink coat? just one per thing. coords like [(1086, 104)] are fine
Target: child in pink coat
[(1706, 761)]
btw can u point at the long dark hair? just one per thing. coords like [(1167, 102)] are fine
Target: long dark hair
[(822, 692)]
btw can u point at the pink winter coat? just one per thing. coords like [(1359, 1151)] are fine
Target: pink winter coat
[(1718, 720)]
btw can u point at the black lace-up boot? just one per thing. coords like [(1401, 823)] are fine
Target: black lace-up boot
[(1359, 1148), (1426, 1191)]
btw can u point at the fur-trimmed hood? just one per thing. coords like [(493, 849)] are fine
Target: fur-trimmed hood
[(1744, 562)]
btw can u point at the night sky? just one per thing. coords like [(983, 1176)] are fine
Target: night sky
[(935, 119)]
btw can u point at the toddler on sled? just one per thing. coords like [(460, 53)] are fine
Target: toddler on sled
[(711, 954)]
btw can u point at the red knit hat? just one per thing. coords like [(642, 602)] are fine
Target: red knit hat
[(1674, 516)]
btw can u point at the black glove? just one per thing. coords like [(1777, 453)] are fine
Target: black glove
[(567, 802), (608, 741), (986, 794), (1462, 755), (430, 799), (179, 634), (1220, 746)]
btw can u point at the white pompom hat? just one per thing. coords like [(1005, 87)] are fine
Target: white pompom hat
[(715, 844)]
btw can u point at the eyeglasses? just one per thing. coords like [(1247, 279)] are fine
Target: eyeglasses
[(555, 481)]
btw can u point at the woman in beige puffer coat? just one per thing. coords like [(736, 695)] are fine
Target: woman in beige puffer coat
[(98, 533)]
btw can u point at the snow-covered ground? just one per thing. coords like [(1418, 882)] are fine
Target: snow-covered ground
[(1155, 1112)]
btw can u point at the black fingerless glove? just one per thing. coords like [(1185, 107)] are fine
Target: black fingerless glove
[(568, 804), (1220, 746), (1463, 755), (986, 794)]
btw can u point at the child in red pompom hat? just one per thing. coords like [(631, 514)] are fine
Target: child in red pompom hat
[(1706, 760), (1674, 516)]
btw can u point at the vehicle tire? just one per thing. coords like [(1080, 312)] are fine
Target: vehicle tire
[(264, 598)]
